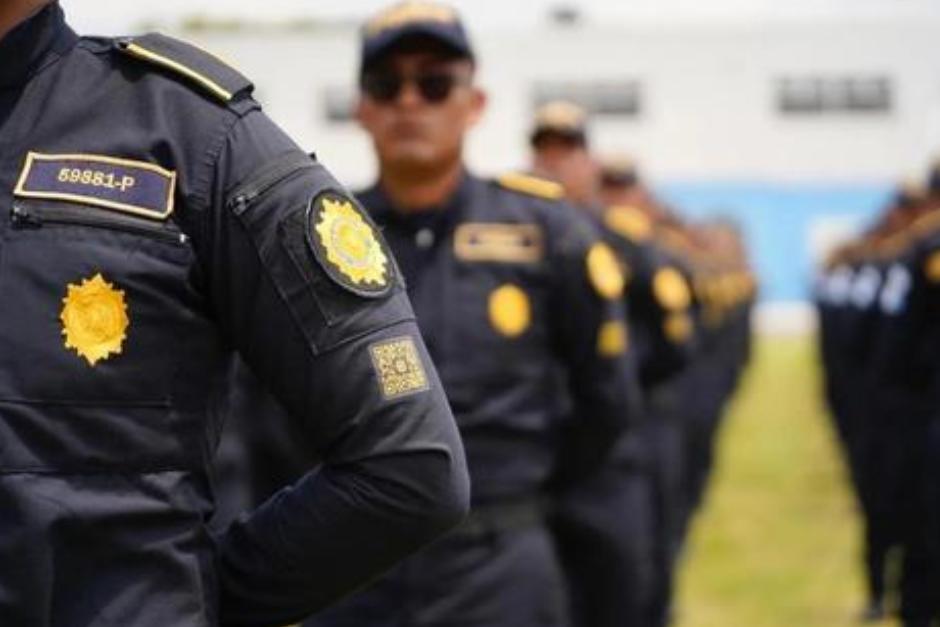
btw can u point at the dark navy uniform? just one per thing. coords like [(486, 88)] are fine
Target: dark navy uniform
[(153, 222), (609, 528), (520, 303), (904, 374)]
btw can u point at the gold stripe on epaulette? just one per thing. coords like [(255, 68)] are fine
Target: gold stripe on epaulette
[(893, 245), (629, 222), (141, 52), (927, 223), (532, 185)]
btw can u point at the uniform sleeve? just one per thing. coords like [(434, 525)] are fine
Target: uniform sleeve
[(667, 306), (306, 291), (594, 341)]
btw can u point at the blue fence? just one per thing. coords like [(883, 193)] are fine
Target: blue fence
[(778, 221)]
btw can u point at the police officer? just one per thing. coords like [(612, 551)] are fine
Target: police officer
[(612, 530), (519, 301), (155, 222), (881, 384)]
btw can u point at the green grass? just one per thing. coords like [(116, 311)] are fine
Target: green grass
[(777, 543)]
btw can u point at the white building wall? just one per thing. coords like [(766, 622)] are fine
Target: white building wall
[(708, 94)]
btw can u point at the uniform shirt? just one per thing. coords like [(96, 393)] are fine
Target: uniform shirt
[(502, 287), (152, 222), (658, 297)]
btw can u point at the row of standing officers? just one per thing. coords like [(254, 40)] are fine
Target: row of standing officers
[(170, 260), (587, 340), (879, 303)]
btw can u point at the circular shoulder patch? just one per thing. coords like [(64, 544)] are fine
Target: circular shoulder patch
[(671, 289), (347, 244), (932, 267), (604, 271)]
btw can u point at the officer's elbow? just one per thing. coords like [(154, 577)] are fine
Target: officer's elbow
[(447, 496)]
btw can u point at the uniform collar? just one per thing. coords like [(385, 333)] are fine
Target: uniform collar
[(33, 44), (437, 218)]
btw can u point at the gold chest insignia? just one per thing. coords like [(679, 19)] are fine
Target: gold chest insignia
[(612, 339), (510, 310), (604, 271), (348, 247), (94, 319), (671, 290)]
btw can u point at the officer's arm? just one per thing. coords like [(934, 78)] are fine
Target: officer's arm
[(667, 300), (350, 367), (594, 341)]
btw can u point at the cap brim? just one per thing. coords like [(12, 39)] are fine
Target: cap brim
[(449, 40)]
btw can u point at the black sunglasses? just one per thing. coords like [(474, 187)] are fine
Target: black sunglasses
[(434, 86)]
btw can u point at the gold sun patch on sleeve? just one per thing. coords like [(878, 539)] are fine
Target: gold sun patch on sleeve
[(604, 272), (347, 245), (671, 290), (94, 319), (932, 267)]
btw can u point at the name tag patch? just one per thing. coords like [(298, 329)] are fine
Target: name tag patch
[(506, 243), (134, 187)]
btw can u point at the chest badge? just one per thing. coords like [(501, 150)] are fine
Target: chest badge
[(348, 247), (510, 310), (604, 272), (94, 319)]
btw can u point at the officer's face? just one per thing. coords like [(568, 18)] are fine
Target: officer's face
[(628, 195), (417, 107), (571, 165)]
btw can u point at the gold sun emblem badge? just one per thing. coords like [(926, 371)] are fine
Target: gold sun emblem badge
[(94, 319), (351, 246)]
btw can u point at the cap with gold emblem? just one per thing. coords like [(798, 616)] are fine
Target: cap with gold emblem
[(560, 119), (618, 171), (414, 20)]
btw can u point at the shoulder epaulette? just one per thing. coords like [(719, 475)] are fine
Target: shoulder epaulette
[(673, 239), (893, 245), (196, 66), (927, 224), (629, 222), (531, 185)]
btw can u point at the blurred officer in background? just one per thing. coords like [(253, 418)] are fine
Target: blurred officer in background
[(520, 303), (612, 531), (620, 184), (156, 223), (879, 342)]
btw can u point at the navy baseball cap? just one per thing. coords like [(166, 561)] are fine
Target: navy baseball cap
[(618, 171), (418, 21), (562, 119)]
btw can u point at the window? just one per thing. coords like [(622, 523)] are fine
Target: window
[(598, 98), (338, 104), (816, 95)]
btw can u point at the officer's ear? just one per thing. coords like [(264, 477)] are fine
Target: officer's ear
[(478, 102), (363, 113)]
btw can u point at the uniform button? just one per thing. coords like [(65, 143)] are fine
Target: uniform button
[(424, 238)]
